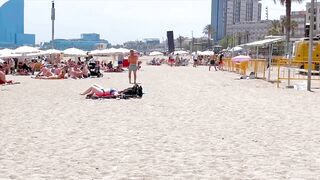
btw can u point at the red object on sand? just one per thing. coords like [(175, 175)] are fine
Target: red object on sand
[(125, 63)]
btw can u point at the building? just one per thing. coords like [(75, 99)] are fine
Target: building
[(227, 14), (245, 32), (316, 16), (12, 25), (244, 21), (259, 11), (87, 42), (218, 11), (298, 23), (151, 41)]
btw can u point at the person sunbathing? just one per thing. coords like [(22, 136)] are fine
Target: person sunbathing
[(62, 75), (99, 91)]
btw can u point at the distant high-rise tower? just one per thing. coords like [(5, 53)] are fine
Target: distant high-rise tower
[(218, 19), (12, 24), (259, 11)]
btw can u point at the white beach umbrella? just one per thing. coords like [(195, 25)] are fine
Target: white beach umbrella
[(156, 53), (74, 52), (26, 50), (41, 53), (53, 51), (180, 52), (6, 51), (9, 55), (124, 50), (207, 53), (96, 52), (1, 61)]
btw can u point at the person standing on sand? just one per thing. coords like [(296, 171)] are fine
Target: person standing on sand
[(133, 66), (195, 59), (213, 61)]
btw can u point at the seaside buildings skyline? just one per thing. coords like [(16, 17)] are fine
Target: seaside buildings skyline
[(114, 29), (12, 25)]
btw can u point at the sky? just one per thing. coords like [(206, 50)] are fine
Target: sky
[(119, 21)]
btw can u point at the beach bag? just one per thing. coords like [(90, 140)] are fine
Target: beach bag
[(136, 91)]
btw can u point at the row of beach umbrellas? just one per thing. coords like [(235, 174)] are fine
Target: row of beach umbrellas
[(28, 51)]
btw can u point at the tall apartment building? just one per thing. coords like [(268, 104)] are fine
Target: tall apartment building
[(316, 16), (236, 16), (12, 25), (218, 19)]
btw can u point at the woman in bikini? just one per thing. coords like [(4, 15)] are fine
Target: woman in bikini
[(99, 91)]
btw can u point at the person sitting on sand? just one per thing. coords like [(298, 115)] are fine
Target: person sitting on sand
[(62, 75), (85, 71), (76, 73), (99, 91), (3, 78), (44, 71)]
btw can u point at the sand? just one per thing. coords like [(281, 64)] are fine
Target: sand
[(190, 124)]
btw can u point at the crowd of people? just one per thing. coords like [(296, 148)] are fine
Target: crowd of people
[(215, 60)]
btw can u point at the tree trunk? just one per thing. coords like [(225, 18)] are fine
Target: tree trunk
[(288, 24)]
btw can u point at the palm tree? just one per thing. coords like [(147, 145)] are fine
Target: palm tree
[(181, 39), (208, 31), (275, 28), (287, 4)]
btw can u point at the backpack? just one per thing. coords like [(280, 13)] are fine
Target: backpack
[(136, 91)]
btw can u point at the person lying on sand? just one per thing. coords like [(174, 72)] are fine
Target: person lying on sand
[(99, 91), (62, 75)]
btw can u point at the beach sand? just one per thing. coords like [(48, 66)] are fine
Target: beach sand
[(190, 124)]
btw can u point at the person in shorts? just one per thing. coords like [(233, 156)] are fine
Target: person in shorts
[(213, 59), (133, 66)]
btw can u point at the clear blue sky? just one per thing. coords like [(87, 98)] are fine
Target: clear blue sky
[(122, 20)]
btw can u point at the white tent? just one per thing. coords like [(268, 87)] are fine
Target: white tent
[(156, 53), (74, 52), (26, 50)]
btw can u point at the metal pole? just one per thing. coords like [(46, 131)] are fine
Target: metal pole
[(191, 42), (310, 45), (53, 17), (270, 61)]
